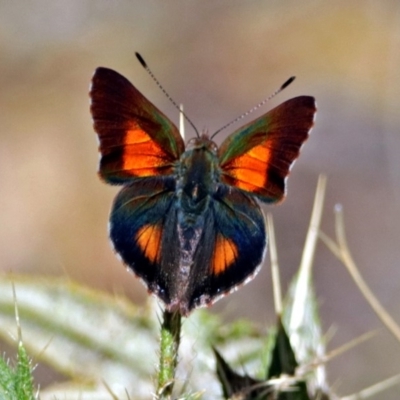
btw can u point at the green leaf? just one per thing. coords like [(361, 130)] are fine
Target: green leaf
[(100, 340), (16, 383), (87, 335), (283, 359), (235, 385)]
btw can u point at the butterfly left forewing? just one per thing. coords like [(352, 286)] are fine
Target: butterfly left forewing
[(257, 157), (136, 139)]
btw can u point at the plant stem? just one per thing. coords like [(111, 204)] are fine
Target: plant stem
[(170, 338)]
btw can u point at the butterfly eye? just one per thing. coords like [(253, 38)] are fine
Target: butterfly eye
[(192, 144), (212, 147)]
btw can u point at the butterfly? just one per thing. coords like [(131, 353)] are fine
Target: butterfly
[(187, 219)]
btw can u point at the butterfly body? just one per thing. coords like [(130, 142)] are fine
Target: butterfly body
[(187, 221), (197, 177)]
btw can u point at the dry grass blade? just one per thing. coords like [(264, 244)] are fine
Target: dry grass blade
[(273, 254), (302, 286), (374, 389), (302, 370), (181, 122), (301, 314), (342, 252), (109, 390)]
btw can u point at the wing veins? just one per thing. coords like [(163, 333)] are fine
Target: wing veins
[(234, 212), (147, 197)]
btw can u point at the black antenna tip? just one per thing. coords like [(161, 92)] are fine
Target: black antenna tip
[(287, 83), (141, 60)]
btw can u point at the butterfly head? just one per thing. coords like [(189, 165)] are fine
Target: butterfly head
[(202, 142)]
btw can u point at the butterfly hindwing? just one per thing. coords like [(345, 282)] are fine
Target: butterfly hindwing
[(136, 139), (231, 248), (143, 231), (257, 157)]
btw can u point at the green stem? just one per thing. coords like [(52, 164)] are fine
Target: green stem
[(170, 338)]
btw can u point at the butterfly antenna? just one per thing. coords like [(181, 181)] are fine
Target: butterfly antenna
[(260, 104), (145, 66)]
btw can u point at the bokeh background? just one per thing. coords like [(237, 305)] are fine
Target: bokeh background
[(218, 58)]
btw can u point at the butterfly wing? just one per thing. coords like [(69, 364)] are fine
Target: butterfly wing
[(144, 227), (143, 230), (136, 139), (257, 157), (231, 249)]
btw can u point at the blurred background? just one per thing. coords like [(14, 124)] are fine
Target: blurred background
[(218, 58)]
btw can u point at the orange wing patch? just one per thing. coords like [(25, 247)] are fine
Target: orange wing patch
[(142, 155), (149, 239), (250, 170), (225, 253)]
